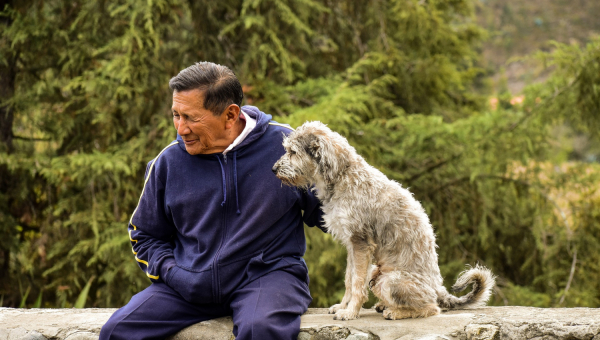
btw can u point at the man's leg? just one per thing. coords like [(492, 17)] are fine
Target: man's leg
[(270, 307), (156, 313)]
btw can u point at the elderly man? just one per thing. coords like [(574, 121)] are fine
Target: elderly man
[(214, 230)]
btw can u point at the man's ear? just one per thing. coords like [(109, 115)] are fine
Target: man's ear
[(232, 114)]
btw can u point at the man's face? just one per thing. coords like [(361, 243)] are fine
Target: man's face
[(202, 132)]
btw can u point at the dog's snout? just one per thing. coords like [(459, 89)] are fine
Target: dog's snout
[(274, 168)]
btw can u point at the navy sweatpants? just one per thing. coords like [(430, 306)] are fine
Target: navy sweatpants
[(266, 308)]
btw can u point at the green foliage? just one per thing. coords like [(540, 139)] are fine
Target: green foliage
[(90, 109), (574, 86), (326, 265), (38, 301), (85, 83), (80, 303)]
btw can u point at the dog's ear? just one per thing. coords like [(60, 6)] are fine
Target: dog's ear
[(315, 147), (312, 146), (332, 158)]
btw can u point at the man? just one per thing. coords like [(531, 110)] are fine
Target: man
[(214, 230)]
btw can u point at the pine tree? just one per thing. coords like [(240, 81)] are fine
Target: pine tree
[(84, 105)]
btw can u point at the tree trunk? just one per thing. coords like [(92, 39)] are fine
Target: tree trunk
[(7, 89)]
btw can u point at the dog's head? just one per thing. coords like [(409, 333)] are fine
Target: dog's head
[(314, 155)]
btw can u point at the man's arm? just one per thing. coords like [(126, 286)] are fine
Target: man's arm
[(313, 214), (150, 230)]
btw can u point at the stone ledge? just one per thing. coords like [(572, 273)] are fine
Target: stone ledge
[(490, 323)]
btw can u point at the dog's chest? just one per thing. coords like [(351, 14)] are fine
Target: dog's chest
[(339, 220)]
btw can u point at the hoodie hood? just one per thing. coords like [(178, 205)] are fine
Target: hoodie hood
[(262, 123)]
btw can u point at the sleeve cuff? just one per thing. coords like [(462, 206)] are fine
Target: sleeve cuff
[(166, 266)]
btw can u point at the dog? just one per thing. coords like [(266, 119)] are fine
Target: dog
[(389, 239)]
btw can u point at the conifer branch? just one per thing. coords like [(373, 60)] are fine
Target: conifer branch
[(382, 34), (302, 100), (466, 178), (26, 227), (31, 139), (433, 167), (537, 109), (571, 274), (508, 179)]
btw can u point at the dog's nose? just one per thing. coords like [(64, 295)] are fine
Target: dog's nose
[(274, 169)]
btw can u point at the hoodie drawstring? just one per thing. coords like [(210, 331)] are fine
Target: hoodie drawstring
[(237, 204), (224, 184)]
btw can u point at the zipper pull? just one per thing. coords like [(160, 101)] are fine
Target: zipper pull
[(225, 158)]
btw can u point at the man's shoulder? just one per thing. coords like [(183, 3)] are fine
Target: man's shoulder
[(280, 126), (170, 150), (277, 131)]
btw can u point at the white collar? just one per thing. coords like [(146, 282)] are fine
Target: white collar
[(250, 124)]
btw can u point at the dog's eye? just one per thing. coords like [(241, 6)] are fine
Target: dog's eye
[(292, 152)]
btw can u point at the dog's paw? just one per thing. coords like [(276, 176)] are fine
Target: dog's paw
[(379, 307), (394, 315), (407, 313), (333, 309), (345, 314)]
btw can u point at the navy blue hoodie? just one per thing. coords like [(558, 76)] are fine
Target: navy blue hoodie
[(207, 224)]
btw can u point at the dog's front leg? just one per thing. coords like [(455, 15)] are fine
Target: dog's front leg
[(348, 282), (358, 293)]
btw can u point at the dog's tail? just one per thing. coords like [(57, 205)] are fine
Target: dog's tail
[(483, 282)]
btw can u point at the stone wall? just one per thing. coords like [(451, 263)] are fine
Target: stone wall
[(473, 324)]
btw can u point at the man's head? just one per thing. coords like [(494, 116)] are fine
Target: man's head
[(206, 107)]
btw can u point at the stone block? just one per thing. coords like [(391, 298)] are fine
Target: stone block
[(490, 323)]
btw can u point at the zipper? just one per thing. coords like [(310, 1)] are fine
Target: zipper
[(216, 285)]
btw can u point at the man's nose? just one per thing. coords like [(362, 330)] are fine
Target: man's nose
[(182, 128)]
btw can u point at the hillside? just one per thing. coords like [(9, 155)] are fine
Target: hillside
[(518, 28)]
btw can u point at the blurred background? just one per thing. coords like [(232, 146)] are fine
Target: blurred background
[(488, 110)]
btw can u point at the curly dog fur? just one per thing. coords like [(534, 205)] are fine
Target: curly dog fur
[(390, 242)]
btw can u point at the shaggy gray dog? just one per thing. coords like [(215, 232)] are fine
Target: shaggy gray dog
[(378, 221)]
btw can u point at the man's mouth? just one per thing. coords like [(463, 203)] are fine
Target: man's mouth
[(190, 142)]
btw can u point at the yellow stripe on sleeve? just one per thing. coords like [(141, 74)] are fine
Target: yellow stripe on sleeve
[(130, 239), (155, 277), (147, 178), (141, 261)]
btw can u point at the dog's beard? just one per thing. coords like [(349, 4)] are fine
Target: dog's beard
[(287, 181), (293, 180)]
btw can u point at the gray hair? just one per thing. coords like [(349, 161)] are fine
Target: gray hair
[(220, 85)]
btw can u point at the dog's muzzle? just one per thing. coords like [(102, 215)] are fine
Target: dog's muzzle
[(275, 168)]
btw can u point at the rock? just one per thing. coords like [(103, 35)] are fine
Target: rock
[(33, 335), (21, 334), (481, 332), (362, 336), (82, 336), (490, 323)]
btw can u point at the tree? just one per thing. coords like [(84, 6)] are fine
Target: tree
[(85, 105)]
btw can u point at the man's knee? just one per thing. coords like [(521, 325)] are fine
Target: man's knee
[(108, 330), (273, 326), (156, 313), (270, 307)]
